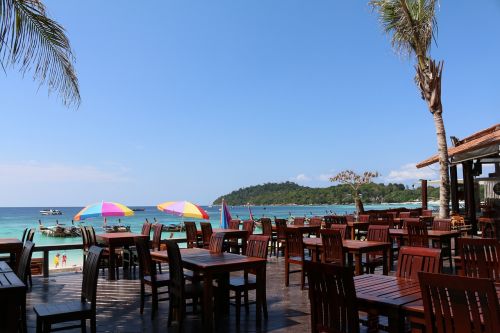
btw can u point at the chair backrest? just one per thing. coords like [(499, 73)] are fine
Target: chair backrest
[(480, 257), (459, 304), (146, 229), (267, 227), (25, 232), (177, 281), (191, 234), (404, 215), (248, 226), (146, 265), (417, 234), (157, 230), (257, 246), (488, 229), (206, 233), (377, 221), (334, 219), (364, 218), (332, 297), (234, 224), (412, 260), (378, 233), (294, 243), (342, 228), (441, 224), (23, 265), (315, 221), (299, 220), (216, 242), (90, 275), (333, 249), (91, 235), (349, 218), (85, 238), (281, 228), (426, 212), (30, 235)]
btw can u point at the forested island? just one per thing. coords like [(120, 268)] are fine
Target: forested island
[(292, 193)]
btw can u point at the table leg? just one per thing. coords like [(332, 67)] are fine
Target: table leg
[(261, 303), (353, 233), (244, 244), (357, 258), (386, 261), (222, 295), (208, 321), (111, 268), (396, 321)]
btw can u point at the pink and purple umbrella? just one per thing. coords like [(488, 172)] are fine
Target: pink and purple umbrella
[(103, 209)]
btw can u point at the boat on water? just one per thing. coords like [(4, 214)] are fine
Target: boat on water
[(51, 212), (138, 209), (171, 227), (59, 230), (116, 228)]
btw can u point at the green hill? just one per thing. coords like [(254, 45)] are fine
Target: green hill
[(291, 193)]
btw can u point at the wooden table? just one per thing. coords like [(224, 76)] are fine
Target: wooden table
[(13, 300), (115, 240), (386, 295), (212, 265), (13, 246), (352, 226), (444, 237), (4, 267), (355, 248)]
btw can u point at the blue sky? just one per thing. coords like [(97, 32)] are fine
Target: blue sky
[(193, 99)]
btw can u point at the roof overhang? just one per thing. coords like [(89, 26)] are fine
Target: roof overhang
[(485, 143)]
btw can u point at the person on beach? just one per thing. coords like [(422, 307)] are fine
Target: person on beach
[(56, 260), (64, 259)]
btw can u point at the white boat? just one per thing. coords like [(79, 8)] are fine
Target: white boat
[(50, 212)]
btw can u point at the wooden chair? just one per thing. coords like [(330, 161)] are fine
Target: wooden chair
[(342, 228), (412, 260), (404, 215), (216, 244), (333, 249), (332, 297), (257, 247), (298, 220), (294, 254), (280, 235), (148, 275), (234, 224), (409, 219), (480, 257), (459, 304), (156, 241), (206, 233), (92, 240), (179, 291), (130, 254), (267, 230), (441, 224), (426, 212), (315, 221), (417, 234), (334, 219), (192, 235), (377, 233), (23, 270), (249, 226), (364, 218), (81, 310)]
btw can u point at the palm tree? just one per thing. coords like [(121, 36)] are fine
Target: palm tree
[(411, 24), (34, 42)]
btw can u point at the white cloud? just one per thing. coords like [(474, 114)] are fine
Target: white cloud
[(300, 178), (409, 172), (325, 177), (33, 172)]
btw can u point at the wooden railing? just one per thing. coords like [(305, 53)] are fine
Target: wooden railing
[(64, 247)]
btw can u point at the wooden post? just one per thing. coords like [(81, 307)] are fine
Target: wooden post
[(45, 263), (455, 208), (470, 204), (423, 187)]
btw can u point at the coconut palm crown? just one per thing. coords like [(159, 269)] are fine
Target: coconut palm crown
[(412, 25), (34, 42)]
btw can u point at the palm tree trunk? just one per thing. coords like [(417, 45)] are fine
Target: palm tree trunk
[(444, 185)]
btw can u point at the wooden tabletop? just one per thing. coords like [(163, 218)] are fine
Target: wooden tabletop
[(430, 233), (118, 235), (384, 290), (349, 244), (9, 280)]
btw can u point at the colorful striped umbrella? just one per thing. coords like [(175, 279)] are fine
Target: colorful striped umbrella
[(184, 209), (103, 209)]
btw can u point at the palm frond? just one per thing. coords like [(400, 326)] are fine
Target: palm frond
[(410, 23), (33, 41)]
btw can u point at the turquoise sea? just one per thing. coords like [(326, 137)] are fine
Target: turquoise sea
[(14, 220)]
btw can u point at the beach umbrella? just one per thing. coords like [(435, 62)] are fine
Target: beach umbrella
[(183, 209), (103, 209)]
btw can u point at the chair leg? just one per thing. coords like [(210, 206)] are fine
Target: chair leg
[(170, 311), (238, 307), (302, 277), (154, 302), (247, 307), (83, 322), (39, 324), (31, 281), (142, 297), (93, 326), (287, 277)]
